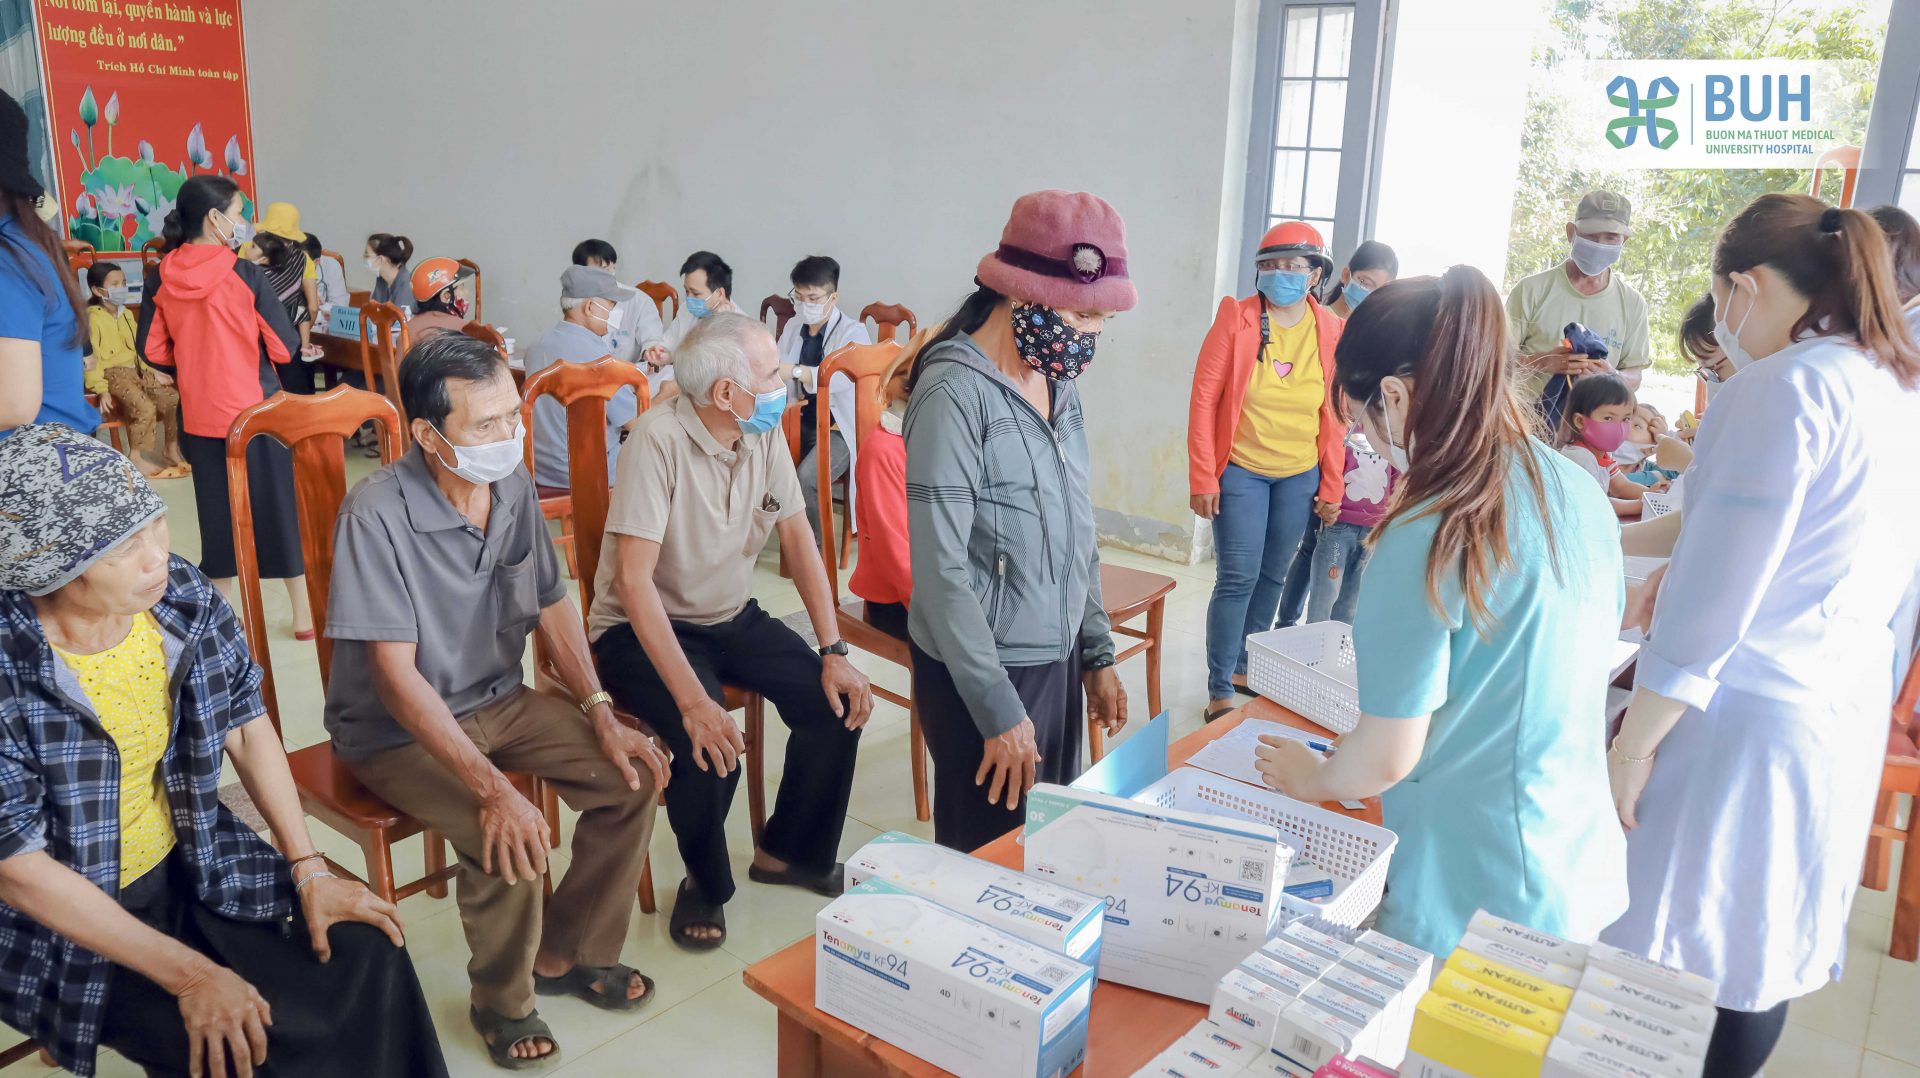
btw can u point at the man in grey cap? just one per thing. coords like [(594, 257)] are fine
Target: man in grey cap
[(1582, 289), (591, 308)]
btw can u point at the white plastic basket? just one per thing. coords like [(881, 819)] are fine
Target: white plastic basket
[(1307, 669), (1353, 851)]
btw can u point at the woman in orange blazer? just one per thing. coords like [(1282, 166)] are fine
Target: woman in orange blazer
[(1264, 442)]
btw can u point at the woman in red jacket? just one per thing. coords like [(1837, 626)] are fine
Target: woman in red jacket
[(884, 574), (219, 330), (1265, 442)]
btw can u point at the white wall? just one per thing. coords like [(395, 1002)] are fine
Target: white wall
[(893, 136)]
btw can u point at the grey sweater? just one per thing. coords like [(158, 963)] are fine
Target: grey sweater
[(1005, 571)]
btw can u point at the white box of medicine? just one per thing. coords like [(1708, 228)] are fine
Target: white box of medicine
[(1405, 955), (1570, 1059), (1642, 1024), (1188, 894), (1248, 1006), (1222, 1045), (1332, 948), (1039, 911), (1685, 1012), (1289, 953), (1351, 1010), (957, 993), (1278, 974), (1633, 967), (1305, 1039), (1550, 948), (1616, 1042)]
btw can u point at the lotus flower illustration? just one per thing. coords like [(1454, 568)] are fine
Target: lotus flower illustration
[(117, 201), (112, 114), (197, 153), (236, 165), (83, 205), (157, 216), (146, 151), (89, 115)]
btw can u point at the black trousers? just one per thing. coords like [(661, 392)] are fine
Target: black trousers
[(756, 652), (360, 1014), (276, 517), (963, 819), (889, 618), (1742, 1041)]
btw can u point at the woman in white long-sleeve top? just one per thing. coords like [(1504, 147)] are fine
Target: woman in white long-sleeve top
[(1748, 761)]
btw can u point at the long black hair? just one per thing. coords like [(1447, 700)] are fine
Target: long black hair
[(971, 316), (199, 196), (1589, 395)]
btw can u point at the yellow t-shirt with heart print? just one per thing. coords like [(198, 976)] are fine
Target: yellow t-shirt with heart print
[(127, 686), (1279, 430)]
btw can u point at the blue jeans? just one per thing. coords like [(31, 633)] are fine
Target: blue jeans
[(1254, 540), (1293, 597), (1338, 560)]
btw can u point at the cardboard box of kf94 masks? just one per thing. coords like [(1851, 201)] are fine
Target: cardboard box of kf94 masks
[(959, 994)]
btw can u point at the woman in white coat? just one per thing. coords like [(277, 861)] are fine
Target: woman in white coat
[(818, 329), (1746, 767)]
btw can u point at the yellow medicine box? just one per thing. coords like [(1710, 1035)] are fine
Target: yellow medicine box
[(1457, 1036), (1513, 982), (1485, 997)]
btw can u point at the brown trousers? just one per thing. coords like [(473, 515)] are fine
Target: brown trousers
[(142, 400), (588, 916)]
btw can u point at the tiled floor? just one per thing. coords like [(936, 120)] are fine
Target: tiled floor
[(707, 1022)]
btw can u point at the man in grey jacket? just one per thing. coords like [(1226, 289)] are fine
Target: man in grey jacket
[(1007, 625)]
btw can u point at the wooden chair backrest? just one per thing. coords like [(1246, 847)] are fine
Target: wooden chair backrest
[(661, 293), (782, 309), (75, 247), (1908, 698), (867, 365), (316, 429), (149, 269), (584, 389), (380, 356), (480, 331), (474, 267), (887, 319)]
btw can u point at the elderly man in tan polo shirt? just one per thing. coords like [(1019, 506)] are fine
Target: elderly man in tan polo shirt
[(699, 487)]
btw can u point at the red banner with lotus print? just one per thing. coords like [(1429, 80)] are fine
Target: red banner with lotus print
[(140, 96)]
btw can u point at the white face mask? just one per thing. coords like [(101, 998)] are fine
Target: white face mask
[(373, 267), (616, 317), (1396, 453), (811, 314), (1728, 338), (485, 464)]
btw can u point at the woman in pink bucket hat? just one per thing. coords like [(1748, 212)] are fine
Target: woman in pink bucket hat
[(1006, 623)]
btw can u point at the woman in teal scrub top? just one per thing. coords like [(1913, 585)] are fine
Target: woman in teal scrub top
[(1483, 638)]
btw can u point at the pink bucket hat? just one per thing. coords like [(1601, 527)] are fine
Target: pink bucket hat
[(1062, 249)]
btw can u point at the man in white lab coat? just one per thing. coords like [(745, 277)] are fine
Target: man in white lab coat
[(817, 329), (639, 335)]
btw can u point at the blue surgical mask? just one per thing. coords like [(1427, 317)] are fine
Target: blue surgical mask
[(697, 306), (1283, 288), (1354, 293), (767, 409)]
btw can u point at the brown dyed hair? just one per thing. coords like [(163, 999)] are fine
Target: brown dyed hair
[(1448, 335), (1903, 239), (1838, 259)]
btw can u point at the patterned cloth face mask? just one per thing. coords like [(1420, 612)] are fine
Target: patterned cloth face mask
[(1048, 344)]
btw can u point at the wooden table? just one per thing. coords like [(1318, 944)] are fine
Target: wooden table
[(1127, 1026)]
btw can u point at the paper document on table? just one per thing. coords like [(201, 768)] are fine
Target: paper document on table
[(1232, 754)]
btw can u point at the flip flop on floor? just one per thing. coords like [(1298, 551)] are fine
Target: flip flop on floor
[(501, 1034), (831, 883), (691, 908), (1240, 685), (610, 996)]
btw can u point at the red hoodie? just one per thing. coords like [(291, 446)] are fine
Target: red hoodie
[(211, 323)]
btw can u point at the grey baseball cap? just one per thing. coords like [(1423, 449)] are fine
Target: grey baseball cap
[(592, 282), (1604, 211)]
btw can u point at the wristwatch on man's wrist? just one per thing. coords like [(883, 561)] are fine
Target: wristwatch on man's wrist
[(838, 647), (1101, 663)]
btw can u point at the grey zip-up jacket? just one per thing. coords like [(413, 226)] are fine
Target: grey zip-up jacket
[(1005, 571)]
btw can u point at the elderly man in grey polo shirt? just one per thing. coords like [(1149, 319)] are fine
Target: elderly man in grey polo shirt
[(701, 485), (592, 305), (442, 568)]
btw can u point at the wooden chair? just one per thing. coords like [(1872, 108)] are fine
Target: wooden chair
[(584, 389), (480, 331), (867, 366), (1126, 594), (887, 318), (115, 428), (552, 506), (380, 356), (474, 268), (77, 249), (661, 293), (1901, 775), (316, 429), (149, 268), (782, 309)]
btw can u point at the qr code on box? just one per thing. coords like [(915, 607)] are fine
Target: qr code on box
[(1253, 872), (1055, 973)]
